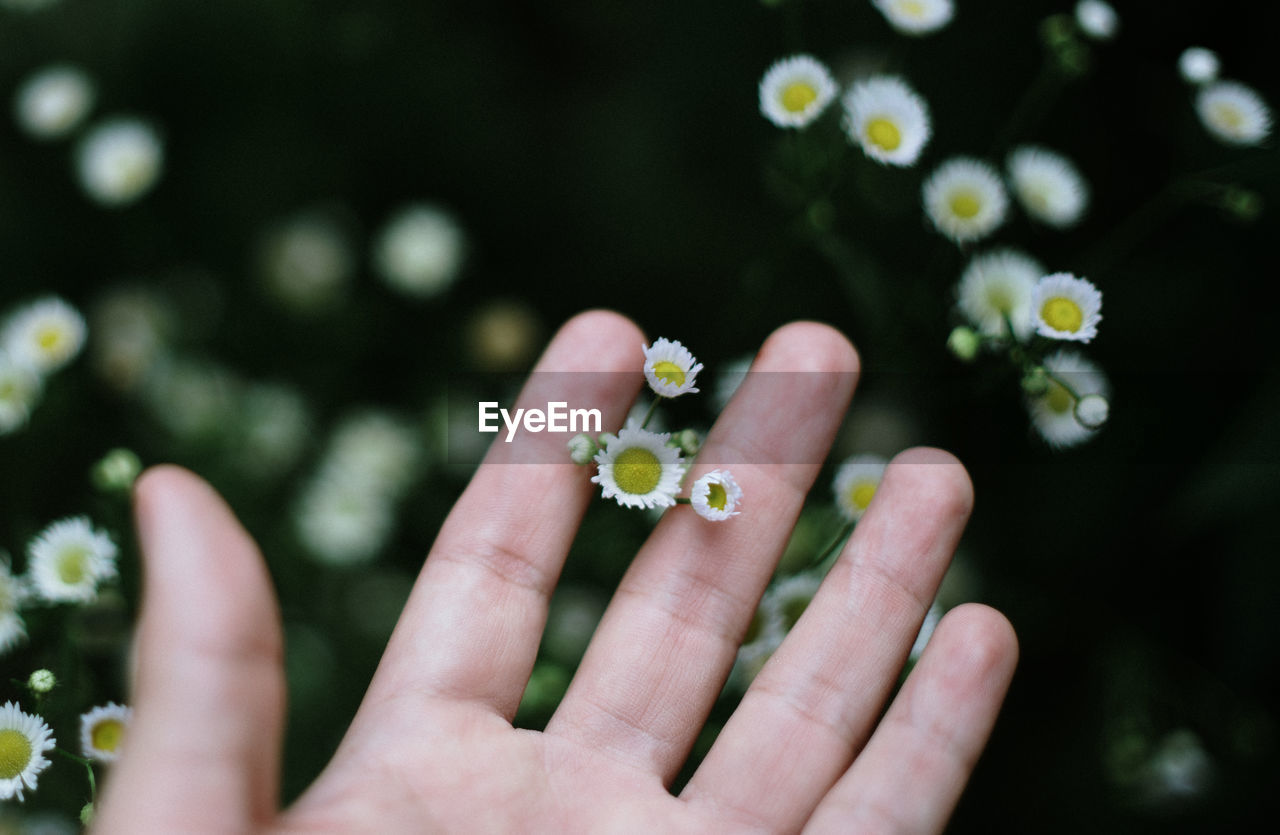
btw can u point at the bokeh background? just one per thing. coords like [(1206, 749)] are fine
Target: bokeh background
[(614, 155)]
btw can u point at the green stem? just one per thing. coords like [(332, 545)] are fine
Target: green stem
[(833, 547), (88, 767), (683, 500), (649, 414)]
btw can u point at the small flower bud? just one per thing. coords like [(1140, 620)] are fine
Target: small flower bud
[(1092, 411), (1243, 205), (116, 471), (582, 449), (42, 681), (605, 439), (86, 814), (1035, 382), (964, 343), (687, 441)]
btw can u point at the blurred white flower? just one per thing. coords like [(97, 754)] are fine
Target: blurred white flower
[(916, 17), (67, 560), (307, 261), (931, 619), (129, 327), (44, 335), (1053, 413), (376, 447), (997, 284), (20, 389), (1198, 65), (12, 627), (1066, 307), (119, 161), (275, 426), (343, 523), (195, 400), (888, 119), (103, 730), (1233, 113), (420, 250), (54, 101), (965, 199), (794, 91), (856, 483), (1097, 19), (1048, 185)]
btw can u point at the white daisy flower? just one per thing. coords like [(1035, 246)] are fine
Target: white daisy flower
[(790, 597), (716, 496), (1048, 185), (999, 284), (103, 731), (670, 369), (1054, 412), (931, 619), (856, 483), (342, 523), (12, 627), (51, 103), (1097, 19), (888, 119), (420, 250), (67, 560), (764, 636), (1198, 65), (965, 199), (307, 261), (44, 335), (1066, 307), (916, 17), (20, 389), (24, 739), (638, 469), (795, 91), (119, 161), (1233, 113)]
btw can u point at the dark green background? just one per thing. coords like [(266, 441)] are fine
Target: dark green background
[(613, 155)]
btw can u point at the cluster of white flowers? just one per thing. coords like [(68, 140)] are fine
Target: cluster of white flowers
[(25, 738), (883, 114), (644, 469), (117, 160), (36, 340), (346, 512), (66, 563)]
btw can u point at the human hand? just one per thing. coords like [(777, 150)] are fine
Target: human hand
[(432, 747)]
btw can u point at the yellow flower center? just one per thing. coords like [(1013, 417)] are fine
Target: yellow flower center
[(72, 565), (716, 496), (637, 471), (1228, 116), (107, 734), (965, 204), (669, 372), (999, 299), (797, 96), (49, 338), (1058, 399), (1062, 314), (792, 610), (911, 8), (861, 494), (15, 753), (884, 133)]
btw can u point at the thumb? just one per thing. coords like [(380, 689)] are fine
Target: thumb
[(208, 703)]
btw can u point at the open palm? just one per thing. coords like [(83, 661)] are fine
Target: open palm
[(432, 747)]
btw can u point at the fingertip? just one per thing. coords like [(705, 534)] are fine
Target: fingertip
[(989, 641), (936, 476), (809, 346), (599, 339)]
